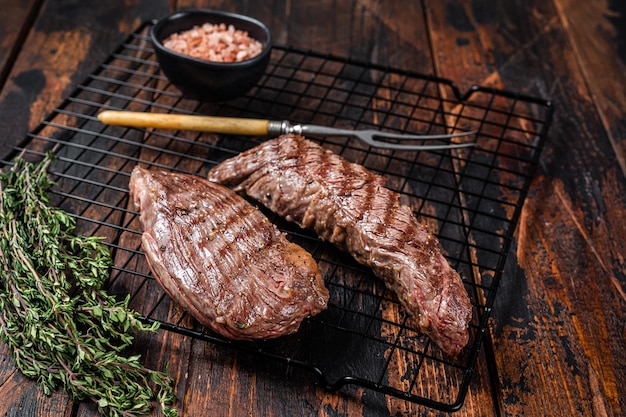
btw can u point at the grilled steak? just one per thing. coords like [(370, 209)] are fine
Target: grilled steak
[(346, 204), (221, 259)]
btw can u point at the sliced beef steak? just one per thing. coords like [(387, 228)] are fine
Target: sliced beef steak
[(348, 205), (221, 259)]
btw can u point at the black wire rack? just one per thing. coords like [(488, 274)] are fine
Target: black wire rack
[(470, 197)]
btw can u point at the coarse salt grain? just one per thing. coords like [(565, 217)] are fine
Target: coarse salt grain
[(218, 43)]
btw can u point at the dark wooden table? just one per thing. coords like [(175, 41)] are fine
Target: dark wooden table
[(557, 339)]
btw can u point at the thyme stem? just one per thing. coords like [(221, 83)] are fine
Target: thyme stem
[(62, 327)]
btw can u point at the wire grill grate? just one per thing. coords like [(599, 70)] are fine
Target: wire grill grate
[(471, 197)]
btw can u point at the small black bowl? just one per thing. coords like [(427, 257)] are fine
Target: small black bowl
[(207, 80)]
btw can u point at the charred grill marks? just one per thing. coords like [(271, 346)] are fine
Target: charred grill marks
[(348, 205), (222, 260)]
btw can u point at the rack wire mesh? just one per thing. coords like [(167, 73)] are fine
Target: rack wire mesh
[(470, 197)]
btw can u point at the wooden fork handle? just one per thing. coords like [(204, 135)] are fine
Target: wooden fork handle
[(226, 125)]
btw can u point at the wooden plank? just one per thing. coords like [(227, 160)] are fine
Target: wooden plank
[(556, 339), (22, 397), (595, 31), (15, 22), (366, 30), (66, 43)]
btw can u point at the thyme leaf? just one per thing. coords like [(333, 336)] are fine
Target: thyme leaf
[(63, 329)]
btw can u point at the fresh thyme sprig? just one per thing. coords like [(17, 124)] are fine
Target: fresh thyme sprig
[(61, 326)]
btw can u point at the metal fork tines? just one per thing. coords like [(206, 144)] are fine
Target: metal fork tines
[(371, 137)]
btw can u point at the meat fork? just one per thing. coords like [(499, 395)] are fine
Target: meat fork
[(246, 126)]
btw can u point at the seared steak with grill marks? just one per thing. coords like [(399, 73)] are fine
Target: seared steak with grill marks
[(348, 205), (221, 259)]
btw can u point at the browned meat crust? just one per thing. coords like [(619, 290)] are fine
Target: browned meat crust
[(348, 205), (222, 260)]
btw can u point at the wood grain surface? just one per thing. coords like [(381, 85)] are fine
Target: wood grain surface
[(557, 337)]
